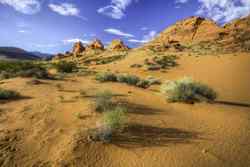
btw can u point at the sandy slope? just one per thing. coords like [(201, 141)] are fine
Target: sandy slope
[(44, 130)]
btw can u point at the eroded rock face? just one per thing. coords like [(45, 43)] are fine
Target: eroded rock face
[(192, 29), (117, 45), (78, 48), (96, 45), (200, 34)]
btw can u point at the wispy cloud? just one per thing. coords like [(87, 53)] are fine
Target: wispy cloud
[(118, 33), (24, 6), (46, 45), (23, 31), (146, 38), (181, 1), (66, 9), (222, 10), (74, 40), (144, 28), (116, 9)]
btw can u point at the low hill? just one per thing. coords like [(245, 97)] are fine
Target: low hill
[(14, 53)]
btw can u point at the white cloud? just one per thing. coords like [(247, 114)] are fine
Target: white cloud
[(146, 38), (23, 6), (222, 10), (181, 1), (74, 40), (66, 9), (116, 9), (24, 31), (118, 32)]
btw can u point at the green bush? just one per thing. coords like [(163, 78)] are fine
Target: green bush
[(115, 119), (65, 67), (153, 81), (36, 72), (166, 61), (103, 101), (8, 94), (143, 84), (106, 77), (125, 78), (188, 91), (128, 79), (10, 69), (16, 66)]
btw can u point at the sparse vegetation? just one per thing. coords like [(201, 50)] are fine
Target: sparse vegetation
[(153, 81), (103, 101), (8, 94), (128, 79), (65, 67), (161, 62), (113, 122), (143, 84), (34, 82), (115, 119), (188, 91), (10, 69), (125, 78), (106, 77)]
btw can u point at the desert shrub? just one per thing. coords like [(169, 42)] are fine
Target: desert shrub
[(106, 77), (188, 91), (36, 72), (128, 79), (34, 82), (65, 67), (165, 61), (10, 69), (115, 119), (113, 122), (16, 66), (6, 75), (136, 66), (102, 134), (103, 101), (123, 78), (8, 94), (153, 81), (153, 67), (143, 84)]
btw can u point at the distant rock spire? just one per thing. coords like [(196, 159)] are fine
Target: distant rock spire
[(117, 45), (78, 48), (96, 45)]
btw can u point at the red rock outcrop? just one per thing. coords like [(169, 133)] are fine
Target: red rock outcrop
[(117, 45), (96, 45), (78, 48)]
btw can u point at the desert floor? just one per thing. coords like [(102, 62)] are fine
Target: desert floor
[(48, 126)]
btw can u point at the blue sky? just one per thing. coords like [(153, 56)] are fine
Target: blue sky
[(53, 26)]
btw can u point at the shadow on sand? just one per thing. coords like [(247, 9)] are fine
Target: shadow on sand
[(4, 101), (140, 109), (237, 104), (136, 136)]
